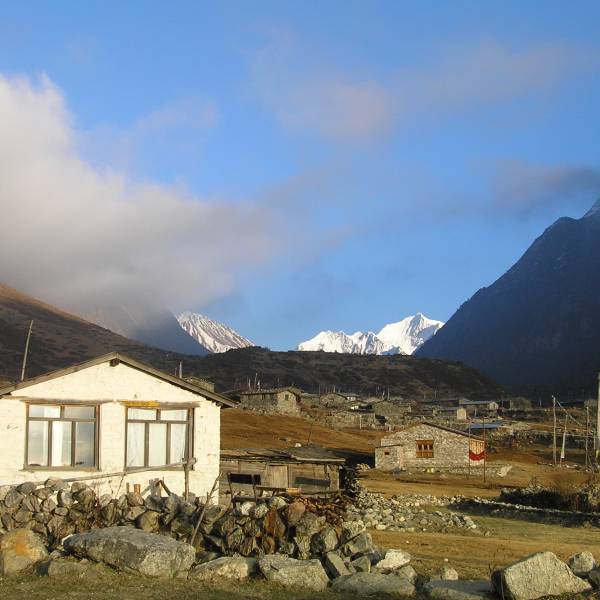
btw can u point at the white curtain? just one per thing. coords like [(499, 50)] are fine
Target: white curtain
[(135, 444)]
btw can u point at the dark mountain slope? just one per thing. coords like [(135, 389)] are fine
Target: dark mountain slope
[(60, 339), (538, 326)]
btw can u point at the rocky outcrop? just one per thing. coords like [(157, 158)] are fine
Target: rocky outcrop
[(133, 550), (541, 574)]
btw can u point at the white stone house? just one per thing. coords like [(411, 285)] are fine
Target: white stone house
[(110, 415)]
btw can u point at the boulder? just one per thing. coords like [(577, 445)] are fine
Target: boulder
[(235, 568), (65, 567), (260, 510), (334, 565), (324, 541), (393, 559), (407, 572), (294, 512), (458, 590), (148, 521), (289, 572), (594, 577), (581, 563), (362, 564), (364, 584), (13, 498), (350, 529), (19, 549), (133, 550), (448, 574), (535, 576), (27, 488), (362, 543)]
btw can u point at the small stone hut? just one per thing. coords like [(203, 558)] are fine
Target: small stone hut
[(426, 445), (281, 401)]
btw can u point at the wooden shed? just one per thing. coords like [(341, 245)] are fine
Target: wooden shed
[(311, 469)]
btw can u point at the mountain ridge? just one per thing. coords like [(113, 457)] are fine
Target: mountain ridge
[(400, 337), (212, 335), (537, 327)]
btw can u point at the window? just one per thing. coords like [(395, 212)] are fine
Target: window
[(424, 448), (62, 436), (246, 478), (157, 437), (386, 452)]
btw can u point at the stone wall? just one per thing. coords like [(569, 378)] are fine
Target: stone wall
[(271, 403)]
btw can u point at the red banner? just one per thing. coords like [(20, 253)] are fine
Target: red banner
[(476, 450), (476, 457)]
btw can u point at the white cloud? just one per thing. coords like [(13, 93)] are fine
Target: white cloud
[(75, 234), (330, 100)]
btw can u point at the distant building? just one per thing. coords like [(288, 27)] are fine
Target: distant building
[(427, 445), (282, 401), (453, 413)]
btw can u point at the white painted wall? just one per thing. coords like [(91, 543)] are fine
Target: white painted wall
[(116, 384)]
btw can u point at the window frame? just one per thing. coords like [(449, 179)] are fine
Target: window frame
[(189, 438), (424, 448), (49, 420)]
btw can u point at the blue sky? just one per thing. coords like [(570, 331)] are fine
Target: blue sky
[(328, 165)]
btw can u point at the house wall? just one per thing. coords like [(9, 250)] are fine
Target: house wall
[(115, 385), (449, 449), (389, 458)]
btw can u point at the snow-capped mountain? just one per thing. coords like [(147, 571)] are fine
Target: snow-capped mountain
[(409, 334), (213, 335), (338, 341), (403, 337)]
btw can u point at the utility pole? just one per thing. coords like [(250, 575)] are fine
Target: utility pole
[(26, 351), (554, 431), (484, 448), (564, 440)]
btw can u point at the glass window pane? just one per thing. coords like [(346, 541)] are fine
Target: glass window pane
[(37, 444), (61, 443), (80, 412), (135, 444), (85, 444), (178, 438), (41, 410), (141, 414), (174, 415), (157, 445)]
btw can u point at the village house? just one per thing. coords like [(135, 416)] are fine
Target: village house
[(310, 469), (282, 401), (114, 421), (451, 413), (426, 445)]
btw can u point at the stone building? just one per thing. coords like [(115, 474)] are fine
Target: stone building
[(113, 420), (427, 445), (283, 401)]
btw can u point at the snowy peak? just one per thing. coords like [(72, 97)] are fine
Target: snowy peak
[(338, 341), (402, 337), (407, 335), (213, 335)]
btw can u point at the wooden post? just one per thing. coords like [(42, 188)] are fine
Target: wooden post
[(186, 477), (564, 440), (469, 469), (484, 450), (587, 436), (26, 351), (554, 431)]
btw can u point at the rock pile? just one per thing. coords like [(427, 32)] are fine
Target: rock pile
[(407, 513)]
